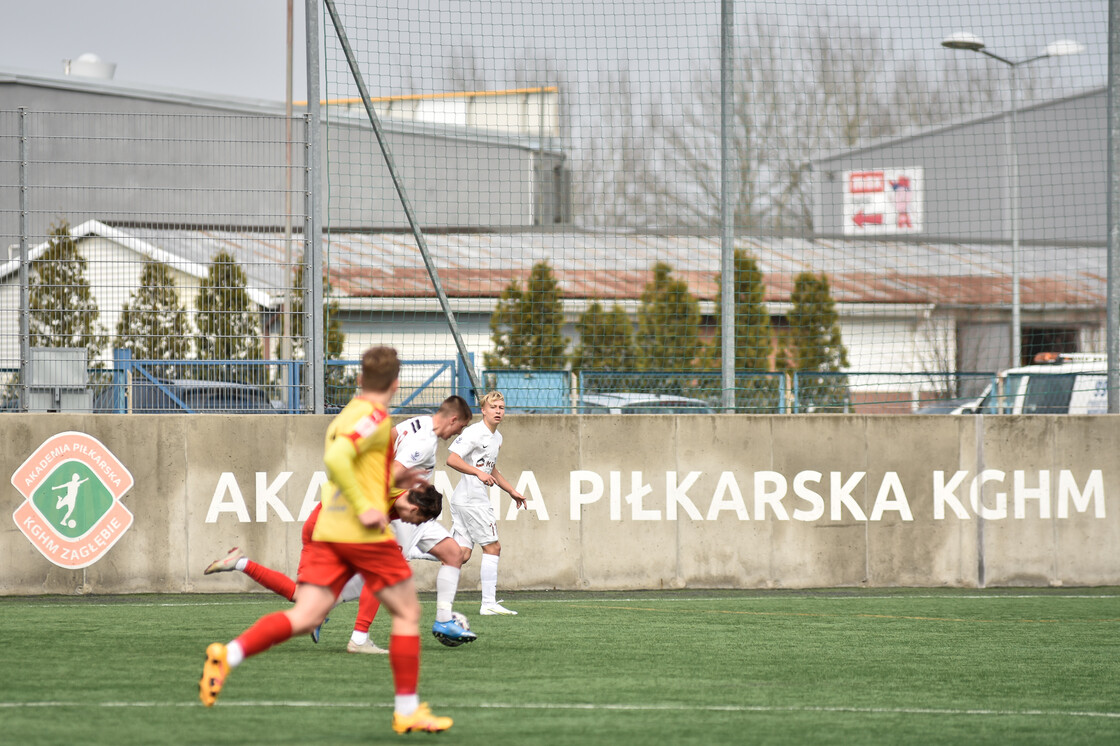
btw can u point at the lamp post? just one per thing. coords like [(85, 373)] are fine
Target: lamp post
[(1061, 48)]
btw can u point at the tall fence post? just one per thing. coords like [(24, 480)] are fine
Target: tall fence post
[(726, 216), (1112, 310), (24, 274), (402, 194), (313, 251)]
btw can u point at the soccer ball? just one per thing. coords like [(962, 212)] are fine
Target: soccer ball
[(460, 619)]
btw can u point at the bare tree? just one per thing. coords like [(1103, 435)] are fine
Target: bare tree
[(792, 101), (614, 173), (464, 69)]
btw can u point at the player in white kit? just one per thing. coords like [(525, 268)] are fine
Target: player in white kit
[(475, 455)]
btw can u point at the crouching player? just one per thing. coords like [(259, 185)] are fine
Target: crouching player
[(415, 448), (351, 536)]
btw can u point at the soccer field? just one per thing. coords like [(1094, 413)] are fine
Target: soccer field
[(793, 667)]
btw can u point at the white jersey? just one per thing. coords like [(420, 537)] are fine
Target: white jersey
[(416, 444), (479, 447)]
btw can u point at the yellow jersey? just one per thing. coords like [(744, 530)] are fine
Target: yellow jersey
[(358, 454)]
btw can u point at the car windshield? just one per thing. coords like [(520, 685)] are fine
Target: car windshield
[(1048, 394)]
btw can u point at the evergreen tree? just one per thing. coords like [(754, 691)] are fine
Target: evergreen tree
[(340, 383), (228, 328), (153, 323), (816, 346), (526, 326), (668, 327), (63, 310), (752, 336), (606, 343)]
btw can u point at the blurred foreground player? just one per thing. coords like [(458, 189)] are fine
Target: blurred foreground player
[(412, 507), (351, 536)]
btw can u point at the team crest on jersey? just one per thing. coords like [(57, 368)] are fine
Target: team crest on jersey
[(416, 455), (72, 487)]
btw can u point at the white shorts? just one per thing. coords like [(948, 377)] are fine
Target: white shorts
[(472, 524), (351, 590), (417, 540)]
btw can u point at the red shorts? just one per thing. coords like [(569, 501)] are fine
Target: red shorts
[(330, 564)]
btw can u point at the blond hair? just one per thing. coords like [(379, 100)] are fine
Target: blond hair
[(491, 397)]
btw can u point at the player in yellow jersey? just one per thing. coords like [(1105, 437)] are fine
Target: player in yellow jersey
[(351, 536)]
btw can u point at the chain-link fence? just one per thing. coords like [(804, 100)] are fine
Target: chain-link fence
[(627, 206), (887, 212), (154, 262)]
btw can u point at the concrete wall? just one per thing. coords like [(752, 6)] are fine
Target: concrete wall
[(626, 502)]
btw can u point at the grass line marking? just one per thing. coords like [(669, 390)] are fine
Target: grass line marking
[(263, 598), (849, 616), (664, 707)]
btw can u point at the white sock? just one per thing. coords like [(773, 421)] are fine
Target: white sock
[(241, 564), (406, 704), (359, 638), (488, 574), (447, 583), (234, 654)]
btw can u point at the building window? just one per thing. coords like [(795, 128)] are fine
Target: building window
[(1038, 339)]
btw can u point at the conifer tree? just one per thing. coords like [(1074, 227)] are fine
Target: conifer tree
[(153, 323), (606, 343), (64, 312), (526, 326), (816, 346), (668, 325), (752, 336), (228, 328)]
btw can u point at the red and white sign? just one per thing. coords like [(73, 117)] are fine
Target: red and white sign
[(882, 202)]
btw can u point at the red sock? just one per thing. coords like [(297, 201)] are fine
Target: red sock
[(367, 609), (404, 659), (277, 582), (270, 629)]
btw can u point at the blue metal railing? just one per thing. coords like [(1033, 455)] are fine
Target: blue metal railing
[(256, 385)]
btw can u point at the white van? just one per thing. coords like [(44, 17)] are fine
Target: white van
[(1058, 383)]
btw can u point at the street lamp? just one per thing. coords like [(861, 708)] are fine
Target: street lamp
[(1060, 48)]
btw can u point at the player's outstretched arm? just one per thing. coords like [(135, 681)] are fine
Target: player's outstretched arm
[(504, 484)]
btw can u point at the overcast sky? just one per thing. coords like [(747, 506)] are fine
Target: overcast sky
[(237, 47)]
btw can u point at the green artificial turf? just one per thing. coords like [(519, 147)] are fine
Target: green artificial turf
[(1006, 666)]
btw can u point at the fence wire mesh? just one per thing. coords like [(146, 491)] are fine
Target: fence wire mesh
[(164, 270), (916, 199), (910, 218)]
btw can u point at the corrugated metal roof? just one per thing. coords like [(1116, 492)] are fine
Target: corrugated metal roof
[(617, 266)]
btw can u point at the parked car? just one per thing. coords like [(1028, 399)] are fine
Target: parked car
[(637, 403), (184, 396), (1058, 383)]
